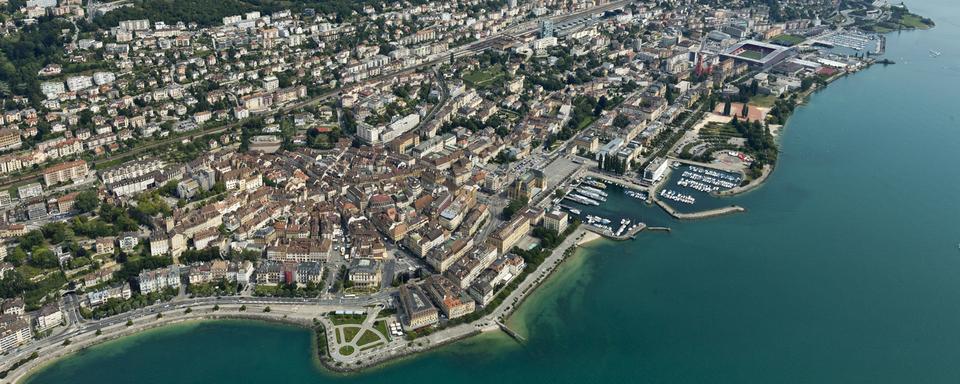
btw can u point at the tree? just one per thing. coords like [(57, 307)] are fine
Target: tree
[(129, 323), (243, 308), (726, 108), (43, 257), (621, 121), (601, 105), (216, 307), (99, 332), (267, 309), (87, 201), (745, 111), (513, 207)]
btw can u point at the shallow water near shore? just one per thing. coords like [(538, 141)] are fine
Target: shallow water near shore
[(845, 268)]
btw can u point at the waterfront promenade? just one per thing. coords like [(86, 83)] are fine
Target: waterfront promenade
[(53, 348), (301, 312)]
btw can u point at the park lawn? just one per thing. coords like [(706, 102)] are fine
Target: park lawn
[(347, 319), (349, 333), (336, 331), (913, 21), (367, 338), (346, 350), (265, 290), (764, 101), (381, 326), (483, 77), (585, 122)]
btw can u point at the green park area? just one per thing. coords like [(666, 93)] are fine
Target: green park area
[(368, 337), (347, 319), (484, 77), (764, 101)]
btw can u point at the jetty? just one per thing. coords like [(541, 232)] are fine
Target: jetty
[(701, 214), (513, 334)]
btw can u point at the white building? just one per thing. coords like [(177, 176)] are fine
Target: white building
[(48, 316), (76, 83), (101, 78), (52, 89)]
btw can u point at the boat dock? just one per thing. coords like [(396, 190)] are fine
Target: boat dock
[(616, 181)]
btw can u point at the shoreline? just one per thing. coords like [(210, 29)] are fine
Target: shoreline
[(90, 339), (82, 341)]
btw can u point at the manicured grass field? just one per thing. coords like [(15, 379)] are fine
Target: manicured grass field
[(381, 326), (346, 350), (367, 338), (347, 319), (350, 332), (751, 55)]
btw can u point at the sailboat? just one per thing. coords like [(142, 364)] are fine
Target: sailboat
[(935, 53)]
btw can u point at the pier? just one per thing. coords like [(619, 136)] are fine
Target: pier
[(699, 215), (615, 181), (513, 334)]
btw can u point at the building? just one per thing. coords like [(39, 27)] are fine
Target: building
[(63, 172), (269, 273), (13, 332), (757, 54), (500, 273), (120, 292), (48, 316), (128, 241), (555, 221), (418, 312), (365, 272), (655, 170), (452, 300), (30, 190), (104, 245), (13, 306), (510, 233), (527, 185), (9, 139), (158, 279), (546, 28), (265, 143)]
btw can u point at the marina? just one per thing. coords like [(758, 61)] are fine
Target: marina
[(609, 208), (692, 188)]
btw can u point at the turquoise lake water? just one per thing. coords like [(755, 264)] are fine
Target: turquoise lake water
[(845, 269)]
